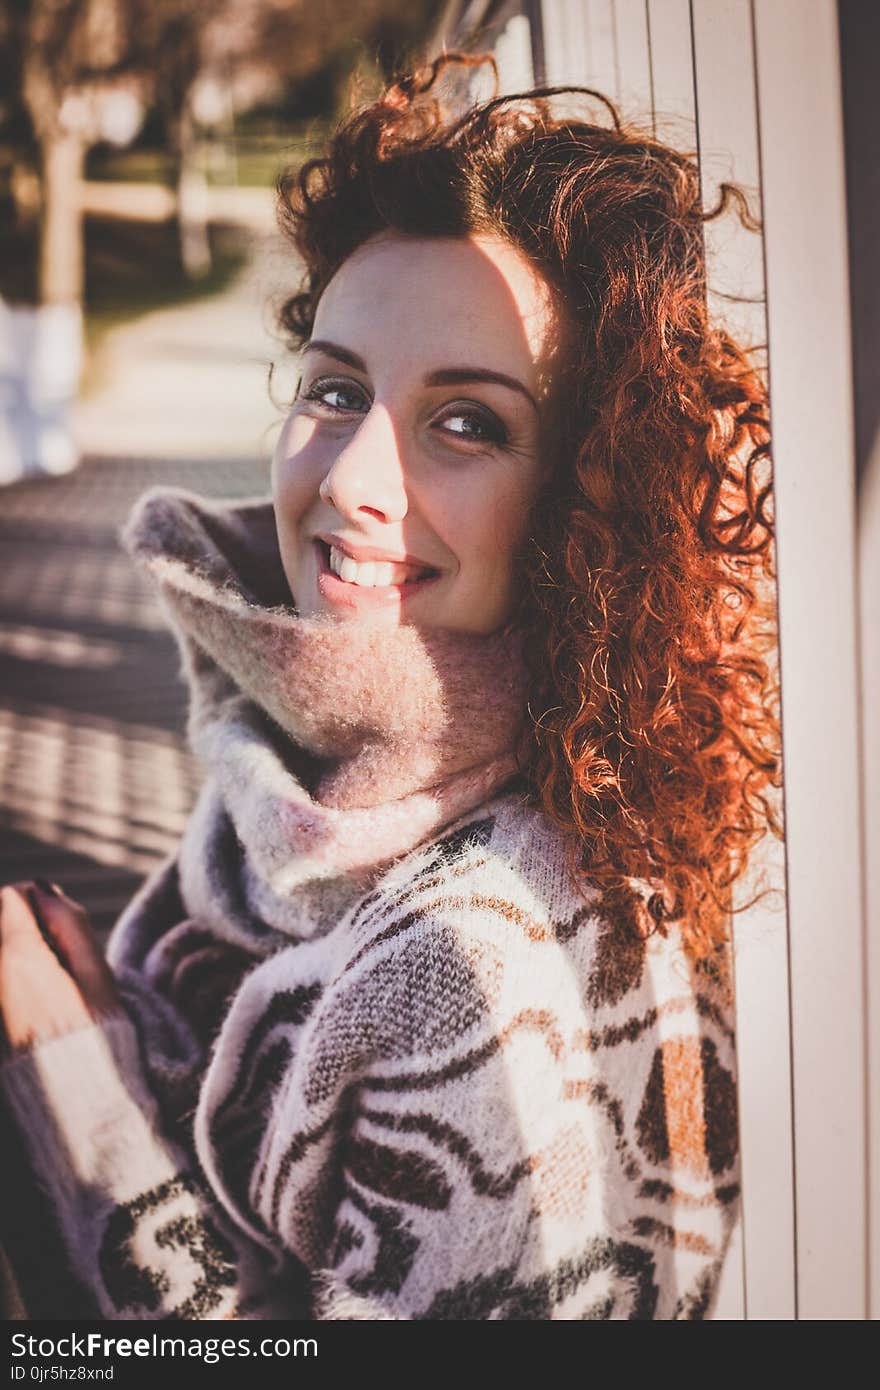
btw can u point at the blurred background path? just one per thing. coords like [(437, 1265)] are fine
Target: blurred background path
[(95, 778), (190, 381)]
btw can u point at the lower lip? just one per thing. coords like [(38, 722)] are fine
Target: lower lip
[(356, 596)]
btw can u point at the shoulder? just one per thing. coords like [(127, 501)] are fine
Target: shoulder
[(505, 847), (487, 923), (497, 876)]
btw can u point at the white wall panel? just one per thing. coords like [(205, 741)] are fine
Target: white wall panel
[(724, 71), (633, 59), (672, 72), (811, 406), (565, 41), (513, 56), (869, 582), (602, 70), (727, 117)]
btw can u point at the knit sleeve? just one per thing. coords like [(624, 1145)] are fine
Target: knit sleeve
[(497, 1108), (136, 1217)]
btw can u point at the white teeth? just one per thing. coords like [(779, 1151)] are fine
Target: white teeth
[(370, 574)]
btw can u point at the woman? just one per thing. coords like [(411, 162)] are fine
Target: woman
[(430, 1015)]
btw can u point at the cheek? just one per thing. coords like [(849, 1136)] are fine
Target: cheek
[(296, 471), (486, 527)]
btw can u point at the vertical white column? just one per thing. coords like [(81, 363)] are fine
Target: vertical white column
[(565, 41), (633, 59), (513, 56), (672, 74), (869, 583), (602, 66), (803, 185), (727, 122)]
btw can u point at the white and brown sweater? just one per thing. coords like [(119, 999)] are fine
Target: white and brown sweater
[(472, 1090)]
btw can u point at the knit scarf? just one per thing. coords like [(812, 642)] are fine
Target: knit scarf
[(331, 747)]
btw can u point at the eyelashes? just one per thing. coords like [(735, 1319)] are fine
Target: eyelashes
[(326, 386), (491, 429), (474, 423)]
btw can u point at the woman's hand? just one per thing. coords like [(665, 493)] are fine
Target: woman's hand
[(53, 975)]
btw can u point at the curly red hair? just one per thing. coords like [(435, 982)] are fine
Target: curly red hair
[(654, 730)]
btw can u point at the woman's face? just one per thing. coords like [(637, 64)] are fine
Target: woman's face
[(414, 443)]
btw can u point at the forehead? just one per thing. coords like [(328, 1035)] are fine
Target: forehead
[(435, 302)]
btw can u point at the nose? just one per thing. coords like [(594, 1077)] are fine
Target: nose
[(368, 473)]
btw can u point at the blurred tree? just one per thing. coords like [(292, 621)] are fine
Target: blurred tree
[(246, 49), (56, 57), (169, 41), (64, 63)]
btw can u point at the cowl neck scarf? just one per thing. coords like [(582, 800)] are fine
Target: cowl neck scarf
[(331, 747)]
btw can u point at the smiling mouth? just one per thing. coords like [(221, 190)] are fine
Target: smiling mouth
[(350, 593), (415, 576)]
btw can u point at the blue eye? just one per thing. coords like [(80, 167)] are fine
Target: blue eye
[(342, 396), (481, 426)]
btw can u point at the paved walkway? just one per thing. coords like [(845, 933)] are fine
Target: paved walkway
[(95, 779), (191, 382)]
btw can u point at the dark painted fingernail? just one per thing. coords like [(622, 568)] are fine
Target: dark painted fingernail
[(46, 887)]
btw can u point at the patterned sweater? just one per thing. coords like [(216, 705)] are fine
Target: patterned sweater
[(480, 1095), (380, 1056)]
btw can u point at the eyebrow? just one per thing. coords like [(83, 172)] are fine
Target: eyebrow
[(459, 376), (334, 350), (445, 376)]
